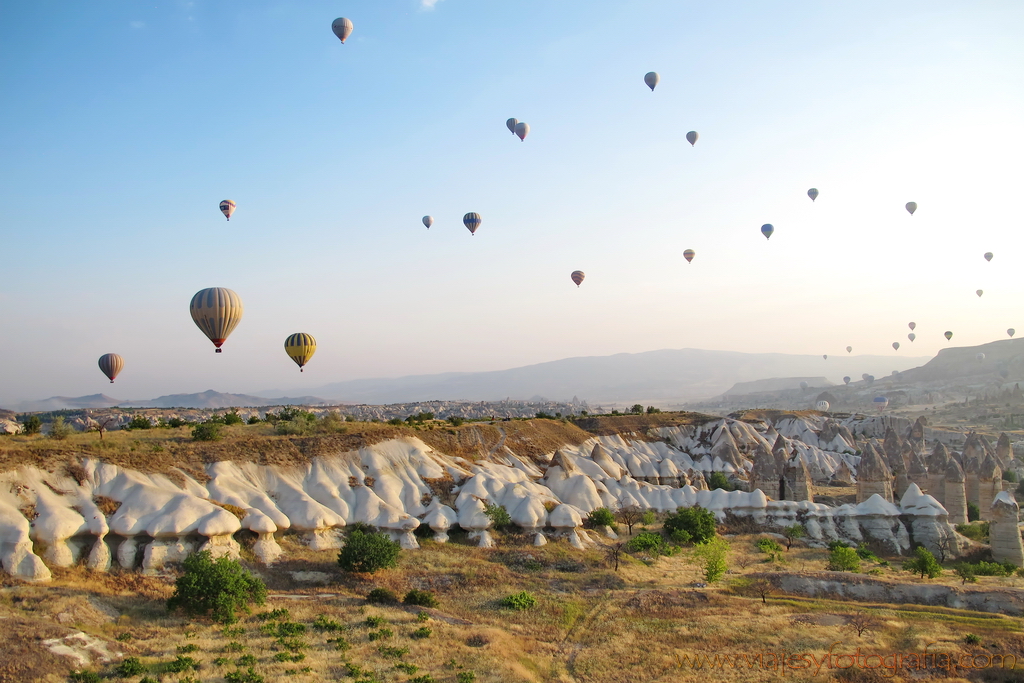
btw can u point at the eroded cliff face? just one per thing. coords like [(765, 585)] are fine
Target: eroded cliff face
[(102, 514)]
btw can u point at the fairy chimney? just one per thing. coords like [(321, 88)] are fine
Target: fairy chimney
[(892, 446), (798, 479), (955, 497), (990, 483), (727, 450), (873, 476), (916, 436), (1004, 452), (917, 473), (843, 476), (781, 452), (1004, 535), (971, 469), (937, 473), (973, 448), (765, 475)]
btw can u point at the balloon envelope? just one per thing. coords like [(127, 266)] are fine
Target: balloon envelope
[(822, 406), (911, 207), (912, 325), (300, 347), (896, 345), (803, 385), (651, 78), (1004, 373), (691, 137), (522, 130), (216, 311), (846, 380), (688, 255), (767, 229), (849, 349), (948, 335), (227, 207), (577, 277), (342, 28), (988, 255), (980, 357), (472, 221), (979, 292), (1011, 331), (881, 402), (825, 356), (111, 364), (812, 193), (511, 125), (911, 336), (428, 221)]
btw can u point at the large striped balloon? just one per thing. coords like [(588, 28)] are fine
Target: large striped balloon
[(472, 221), (577, 277), (688, 255), (300, 347), (216, 311), (227, 207), (111, 364)]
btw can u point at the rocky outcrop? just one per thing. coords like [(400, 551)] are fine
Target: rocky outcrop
[(971, 469), (990, 484), (798, 480), (765, 475), (1004, 451), (937, 473), (843, 476), (955, 494), (873, 476), (1004, 533), (929, 524)]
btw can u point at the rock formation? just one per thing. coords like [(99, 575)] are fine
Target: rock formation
[(1004, 451), (798, 480), (1003, 532), (937, 473), (971, 469), (765, 475), (955, 496), (929, 524), (873, 476), (990, 484)]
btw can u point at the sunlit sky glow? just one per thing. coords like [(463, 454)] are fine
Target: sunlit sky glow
[(123, 124)]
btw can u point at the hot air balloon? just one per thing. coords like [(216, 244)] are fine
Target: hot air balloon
[(651, 79), (825, 356), (688, 255), (988, 255), (803, 385), (300, 347), (881, 402), (849, 349), (472, 221), (1004, 373), (522, 130), (111, 364), (1011, 331), (979, 292), (846, 380), (342, 28), (980, 357), (912, 326), (948, 335), (428, 221), (865, 376), (767, 229), (691, 137), (911, 336), (577, 277), (896, 346), (822, 406), (216, 311), (227, 207), (911, 207), (812, 193), (511, 125)]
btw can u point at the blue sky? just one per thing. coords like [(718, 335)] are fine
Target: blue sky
[(123, 124)]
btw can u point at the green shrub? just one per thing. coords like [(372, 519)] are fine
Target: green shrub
[(966, 573), (972, 639), (176, 422), (392, 652), (648, 518), (340, 643), (711, 556), (455, 421), (519, 601), (976, 532), (421, 632), (59, 429), (843, 559), (368, 552), (206, 431), (272, 615), (254, 420), (718, 480), (123, 637), (465, 677), (923, 563), (696, 522), (768, 545), (865, 554), (287, 629), (31, 424), (130, 666), (217, 588), (646, 542), (406, 667), (421, 598), (324, 623), (792, 533), (380, 634), (1010, 476), (992, 568), (181, 664), (500, 519), (374, 622), (233, 418), (422, 616), (185, 649), (221, 661), (425, 678), (246, 660), (601, 517), (239, 676), (381, 596), (289, 657), (138, 422), (973, 512)]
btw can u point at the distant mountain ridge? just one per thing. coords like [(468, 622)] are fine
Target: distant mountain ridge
[(206, 399)]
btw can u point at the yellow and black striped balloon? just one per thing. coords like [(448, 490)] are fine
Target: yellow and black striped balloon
[(216, 311), (300, 347)]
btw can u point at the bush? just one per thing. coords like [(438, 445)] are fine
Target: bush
[(421, 598), (455, 421), (130, 666), (374, 622), (991, 568), (465, 677), (31, 424), (138, 422), (972, 639), (381, 596), (82, 676), (966, 573), (976, 532), (326, 624), (239, 676), (646, 542), (717, 480), (59, 429), (697, 523), (206, 431), (519, 601), (232, 418), (923, 563), (273, 615), (176, 422), (711, 556), (182, 664), (768, 545), (500, 519), (843, 559), (1010, 476), (254, 420), (601, 517), (792, 533), (421, 632), (973, 512), (216, 588), (637, 409), (381, 634), (368, 552), (648, 518)]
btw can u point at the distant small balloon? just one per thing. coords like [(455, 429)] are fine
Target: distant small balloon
[(767, 229), (511, 125), (428, 221), (911, 336), (812, 193), (522, 130), (651, 79), (577, 277), (691, 137), (865, 376), (849, 349), (1011, 332), (822, 406), (846, 380), (825, 356), (1004, 373), (948, 335), (980, 357), (688, 255), (881, 402), (988, 255), (227, 207), (896, 346), (912, 326), (472, 221), (803, 385), (911, 207), (342, 28), (979, 292)]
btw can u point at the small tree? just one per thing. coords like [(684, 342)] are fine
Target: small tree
[(138, 422), (101, 425), (718, 480), (711, 557), (792, 533), (760, 588), (966, 573), (615, 552), (233, 418), (843, 559), (59, 429), (691, 524), (923, 563), (862, 622), (500, 519), (31, 424), (601, 517), (629, 515), (217, 588), (973, 512), (648, 518), (368, 552), (206, 431), (637, 409)]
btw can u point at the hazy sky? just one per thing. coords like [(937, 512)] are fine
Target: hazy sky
[(123, 124)]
